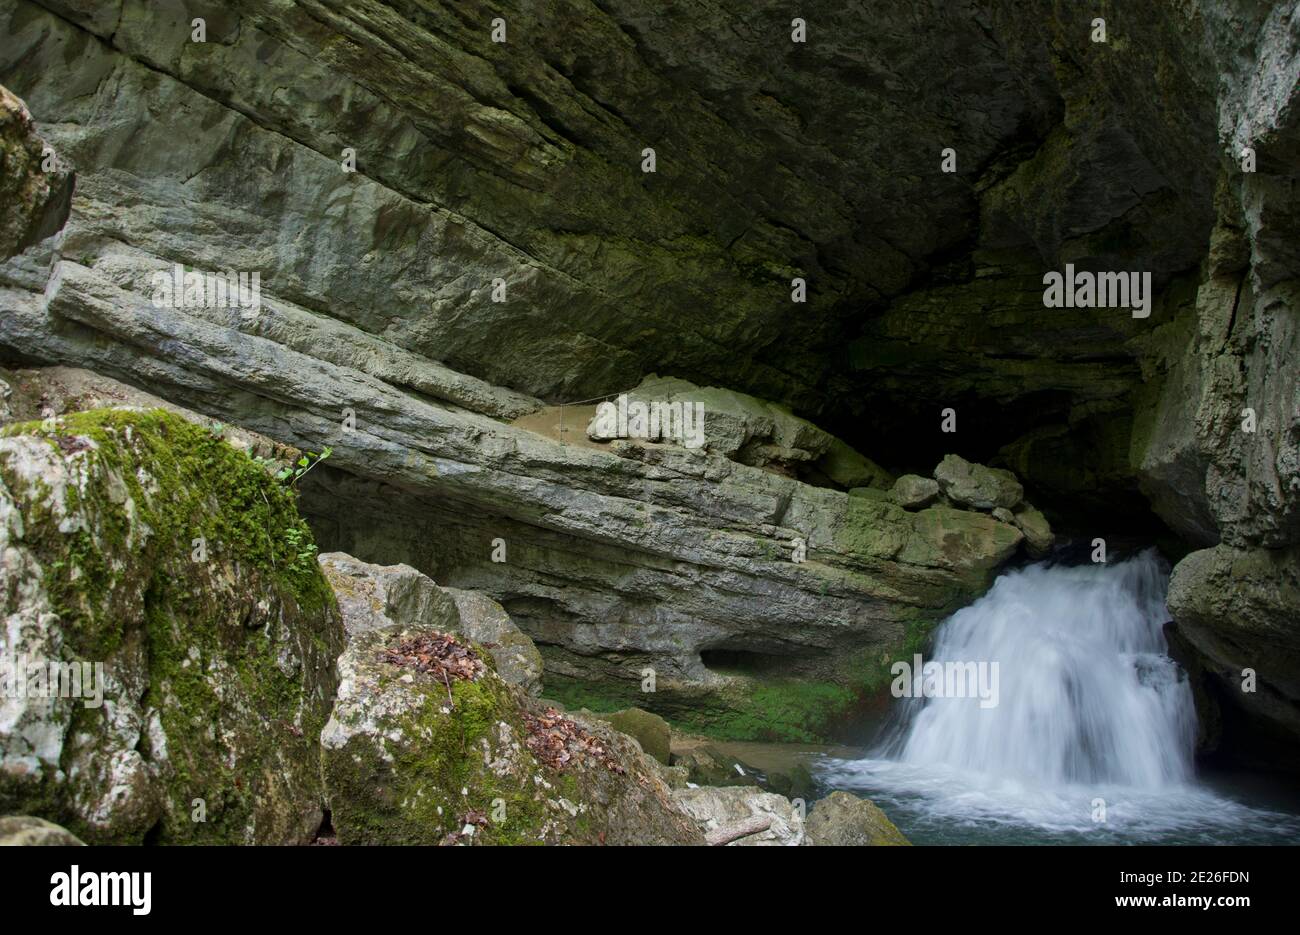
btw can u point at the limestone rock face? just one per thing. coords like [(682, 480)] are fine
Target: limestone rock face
[(411, 759), (35, 184), (169, 585), (499, 244), (1239, 608), (844, 820)]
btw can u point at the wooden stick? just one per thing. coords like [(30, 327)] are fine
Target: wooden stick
[(740, 829)]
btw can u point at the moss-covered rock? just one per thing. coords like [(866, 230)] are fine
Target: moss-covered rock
[(844, 820), (175, 574), (412, 759), (35, 185), (649, 730), (26, 831), (975, 485)]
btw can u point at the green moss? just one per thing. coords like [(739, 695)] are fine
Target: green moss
[(128, 583), (796, 711), (874, 670), (601, 697), (416, 798)]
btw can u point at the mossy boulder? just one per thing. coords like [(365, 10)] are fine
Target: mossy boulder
[(26, 831), (174, 574), (649, 730), (36, 197), (969, 544), (844, 820), (413, 759)]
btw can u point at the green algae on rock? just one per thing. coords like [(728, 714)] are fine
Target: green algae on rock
[(145, 543)]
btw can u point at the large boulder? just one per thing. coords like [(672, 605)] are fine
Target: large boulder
[(977, 486), (485, 621), (1240, 610), (844, 820), (911, 491), (374, 597), (169, 584), (649, 730), (420, 753)]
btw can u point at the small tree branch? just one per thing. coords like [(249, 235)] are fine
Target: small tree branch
[(737, 830)]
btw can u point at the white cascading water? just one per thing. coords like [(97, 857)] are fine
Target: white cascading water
[(1086, 691), (1092, 735)]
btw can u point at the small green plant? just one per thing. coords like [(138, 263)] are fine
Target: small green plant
[(296, 471), (302, 551)]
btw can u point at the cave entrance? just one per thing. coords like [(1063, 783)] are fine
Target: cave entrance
[(725, 661)]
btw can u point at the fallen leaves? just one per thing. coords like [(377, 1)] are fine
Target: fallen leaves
[(555, 741), (437, 654)]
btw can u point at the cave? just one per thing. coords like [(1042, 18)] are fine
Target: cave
[(934, 313)]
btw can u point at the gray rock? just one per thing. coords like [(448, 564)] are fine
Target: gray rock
[(380, 597), (36, 201), (844, 820), (373, 597), (411, 759), (975, 485), (720, 807), (1038, 532), (26, 831), (485, 621), (1239, 609), (912, 492)]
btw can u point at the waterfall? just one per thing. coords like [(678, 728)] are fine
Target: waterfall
[(1086, 737), (1086, 693)]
